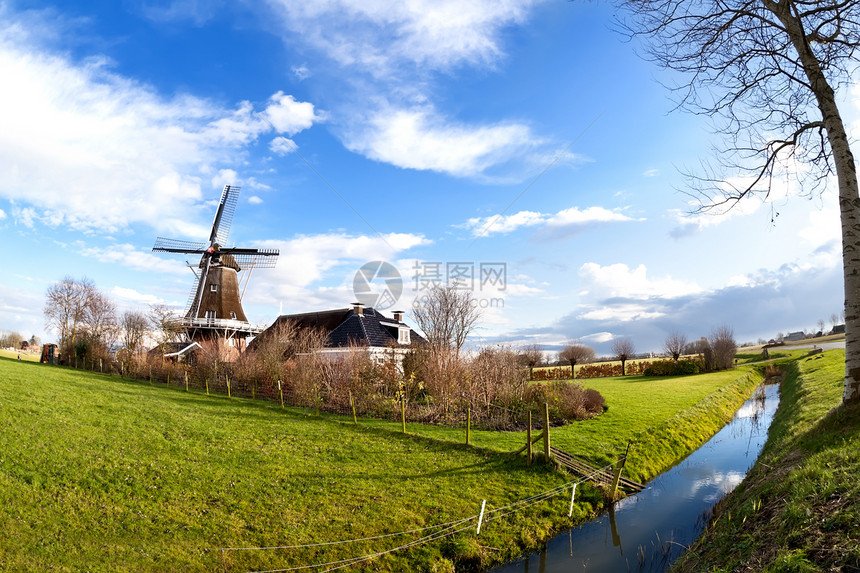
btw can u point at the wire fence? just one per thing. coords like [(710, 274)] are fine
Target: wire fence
[(429, 534)]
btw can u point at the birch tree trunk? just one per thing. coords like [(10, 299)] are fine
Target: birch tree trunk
[(849, 198)]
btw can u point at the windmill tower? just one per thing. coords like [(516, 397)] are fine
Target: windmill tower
[(214, 316)]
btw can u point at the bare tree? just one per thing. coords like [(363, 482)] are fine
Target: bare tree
[(834, 320), (165, 326), (65, 308), (100, 325), (821, 325), (530, 356), (623, 349), (447, 316), (134, 329), (674, 344), (723, 346), (767, 70), (10, 339), (576, 353)]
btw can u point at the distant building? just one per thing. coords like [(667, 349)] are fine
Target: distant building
[(838, 329), (50, 354), (794, 336)]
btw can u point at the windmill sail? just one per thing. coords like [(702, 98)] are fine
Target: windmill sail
[(224, 215)]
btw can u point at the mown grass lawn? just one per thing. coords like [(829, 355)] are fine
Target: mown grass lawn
[(101, 474)]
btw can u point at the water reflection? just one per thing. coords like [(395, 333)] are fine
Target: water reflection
[(648, 531)]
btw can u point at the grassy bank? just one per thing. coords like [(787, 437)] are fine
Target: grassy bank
[(101, 474), (799, 508)]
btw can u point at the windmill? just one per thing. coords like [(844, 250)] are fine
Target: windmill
[(214, 311)]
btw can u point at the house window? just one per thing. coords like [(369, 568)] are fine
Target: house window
[(210, 314), (403, 336), (213, 288), (233, 315)]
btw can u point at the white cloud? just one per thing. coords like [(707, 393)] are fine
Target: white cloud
[(128, 256), (301, 72), (824, 227), (131, 299), (503, 224), (76, 134), (621, 281), (385, 55), (566, 221), (597, 338), (225, 177), (282, 145), (420, 139), (381, 35), (307, 259), (290, 116), (254, 200), (618, 293), (2, 214)]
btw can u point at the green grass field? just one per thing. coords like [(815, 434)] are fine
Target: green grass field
[(28, 356), (101, 474), (799, 508)]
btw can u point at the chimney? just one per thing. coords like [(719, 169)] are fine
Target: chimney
[(398, 315), (358, 308)]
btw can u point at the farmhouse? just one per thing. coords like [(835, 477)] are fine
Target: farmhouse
[(346, 328)]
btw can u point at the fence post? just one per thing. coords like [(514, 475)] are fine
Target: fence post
[(168, 377), (254, 389), (617, 477), (150, 374), (352, 405), (281, 392), (529, 440), (101, 370), (186, 380), (546, 430), (403, 411), (572, 495), (207, 386), (227, 378), (468, 424)]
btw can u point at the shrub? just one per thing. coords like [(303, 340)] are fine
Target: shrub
[(567, 401), (672, 368), (595, 403)]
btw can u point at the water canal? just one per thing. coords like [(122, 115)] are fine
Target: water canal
[(648, 531)]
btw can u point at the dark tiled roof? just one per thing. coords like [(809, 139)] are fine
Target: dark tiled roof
[(345, 327)]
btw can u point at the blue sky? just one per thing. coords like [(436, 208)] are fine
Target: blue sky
[(528, 134)]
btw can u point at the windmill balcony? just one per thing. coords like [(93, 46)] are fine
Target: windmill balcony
[(222, 324)]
